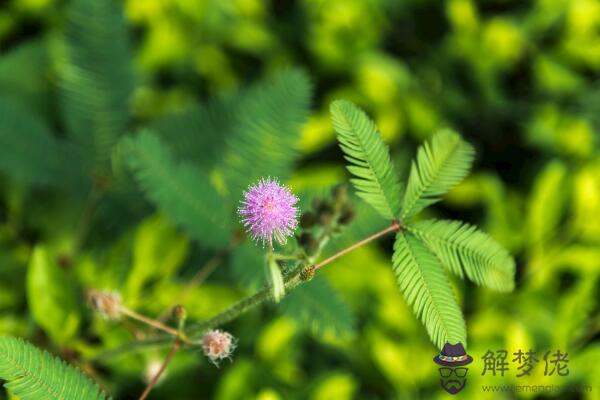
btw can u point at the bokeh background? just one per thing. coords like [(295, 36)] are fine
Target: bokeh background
[(518, 79)]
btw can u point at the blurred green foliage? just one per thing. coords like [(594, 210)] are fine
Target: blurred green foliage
[(520, 80)]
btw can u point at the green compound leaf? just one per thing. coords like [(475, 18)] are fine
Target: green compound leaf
[(97, 76), (440, 165), (369, 158), (34, 374), (198, 134), (463, 249), (31, 155), (268, 120), (426, 288), (178, 190)]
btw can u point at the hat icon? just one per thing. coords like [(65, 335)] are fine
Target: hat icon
[(453, 355)]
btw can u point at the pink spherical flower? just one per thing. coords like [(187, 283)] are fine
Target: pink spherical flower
[(268, 211), (217, 345)]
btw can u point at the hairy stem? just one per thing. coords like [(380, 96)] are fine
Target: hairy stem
[(162, 369)]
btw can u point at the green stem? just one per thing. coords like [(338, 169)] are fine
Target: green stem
[(246, 304)]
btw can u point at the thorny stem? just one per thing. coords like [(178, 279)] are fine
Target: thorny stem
[(162, 369), (291, 280)]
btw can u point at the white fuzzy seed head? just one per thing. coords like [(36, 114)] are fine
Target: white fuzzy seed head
[(217, 345)]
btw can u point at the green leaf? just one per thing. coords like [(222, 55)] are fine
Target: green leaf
[(198, 134), (426, 288), (317, 306), (248, 264), (377, 182), (158, 251), (53, 297), (97, 77), (275, 279), (547, 203), (268, 121), (31, 155), (24, 74), (178, 190), (439, 166), (463, 249), (34, 374)]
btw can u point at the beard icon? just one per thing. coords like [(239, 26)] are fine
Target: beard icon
[(453, 373), (453, 380)]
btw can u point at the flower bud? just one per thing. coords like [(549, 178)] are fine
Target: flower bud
[(308, 273), (347, 215), (307, 220), (325, 214), (309, 244), (217, 345), (179, 312), (108, 304), (339, 194)]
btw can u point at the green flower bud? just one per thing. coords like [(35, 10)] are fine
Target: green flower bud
[(179, 312), (309, 244), (308, 273), (339, 194), (347, 215), (307, 220)]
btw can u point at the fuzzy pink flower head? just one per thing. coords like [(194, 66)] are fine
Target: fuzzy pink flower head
[(217, 345), (268, 211)]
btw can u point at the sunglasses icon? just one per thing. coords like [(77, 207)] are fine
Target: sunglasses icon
[(447, 372)]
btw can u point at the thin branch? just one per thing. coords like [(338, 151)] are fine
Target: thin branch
[(155, 324), (394, 227), (203, 273), (162, 369)]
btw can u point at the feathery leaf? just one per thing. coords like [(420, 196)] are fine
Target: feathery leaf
[(425, 286), (34, 374), (269, 118), (198, 134), (376, 182), (463, 249), (31, 155), (178, 190), (439, 166), (97, 75)]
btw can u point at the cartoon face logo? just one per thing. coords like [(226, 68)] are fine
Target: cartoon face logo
[(453, 374), (453, 379)]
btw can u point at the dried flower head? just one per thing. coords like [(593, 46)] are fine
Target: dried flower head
[(108, 304), (268, 211), (217, 345)]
